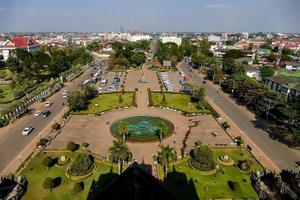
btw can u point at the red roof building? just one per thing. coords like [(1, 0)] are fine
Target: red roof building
[(26, 43)]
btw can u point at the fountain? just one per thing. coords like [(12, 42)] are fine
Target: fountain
[(143, 128)]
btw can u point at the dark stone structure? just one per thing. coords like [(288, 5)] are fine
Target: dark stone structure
[(134, 184)]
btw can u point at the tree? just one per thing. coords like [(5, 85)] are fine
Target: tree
[(231, 67), (198, 94), (162, 130), (13, 64), (234, 54), (165, 156), (266, 71), (82, 164), (72, 146), (48, 183), (78, 187), (289, 113), (47, 162), (76, 102), (202, 158), (272, 57), (123, 129), (119, 153)]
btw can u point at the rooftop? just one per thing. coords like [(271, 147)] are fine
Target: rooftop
[(286, 81)]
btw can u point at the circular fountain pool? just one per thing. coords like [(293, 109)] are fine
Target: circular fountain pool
[(143, 128)]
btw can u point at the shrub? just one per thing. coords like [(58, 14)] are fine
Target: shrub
[(164, 98), (238, 140), (48, 183), (63, 160), (216, 115), (72, 146), (66, 115), (202, 158), (78, 187), (47, 161), (82, 164), (55, 126), (42, 142), (233, 185), (2, 122), (225, 125), (244, 165), (120, 99), (84, 144)]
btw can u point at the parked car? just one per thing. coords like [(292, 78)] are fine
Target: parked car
[(27, 130), (37, 113), (104, 81), (48, 104), (65, 94), (46, 114)]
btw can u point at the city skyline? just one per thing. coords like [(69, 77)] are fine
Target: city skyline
[(148, 16)]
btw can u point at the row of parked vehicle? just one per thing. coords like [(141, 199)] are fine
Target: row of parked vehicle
[(167, 82), (115, 84)]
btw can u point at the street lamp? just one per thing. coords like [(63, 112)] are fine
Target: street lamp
[(20, 158)]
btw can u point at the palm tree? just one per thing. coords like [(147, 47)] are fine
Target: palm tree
[(165, 156), (119, 153), (123, 129), (162, 130)]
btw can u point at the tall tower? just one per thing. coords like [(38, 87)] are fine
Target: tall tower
[(121, 29)]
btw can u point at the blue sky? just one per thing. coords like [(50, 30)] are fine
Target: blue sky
[(150, 15)]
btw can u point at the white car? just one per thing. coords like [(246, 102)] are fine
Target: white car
[(48, 104), (65, 94), (37, 113), (27, 130)]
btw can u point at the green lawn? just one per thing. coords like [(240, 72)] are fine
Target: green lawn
[(35, 173), (8, 95), (122, 69), (188, 183), (163, 69), (178, 101), (108, 101), (287, 73)]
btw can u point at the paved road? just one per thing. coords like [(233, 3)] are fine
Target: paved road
[(280, 154), (11, 140)]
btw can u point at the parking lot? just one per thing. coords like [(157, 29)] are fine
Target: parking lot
[(171, 81)]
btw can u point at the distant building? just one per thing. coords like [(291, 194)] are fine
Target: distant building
[(245, 35), (172, 39), (224, 37), (285, 83), (135, 38), (242, 44), (25, 43), (214, 38)]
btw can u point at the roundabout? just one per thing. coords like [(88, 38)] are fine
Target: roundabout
[(142, 128)]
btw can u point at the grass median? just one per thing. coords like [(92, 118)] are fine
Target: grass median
[(108, 101), (178, 101)]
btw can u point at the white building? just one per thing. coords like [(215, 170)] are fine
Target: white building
[(172, 39), (25, 43), (214, 38), (135, 38), (245, 35)]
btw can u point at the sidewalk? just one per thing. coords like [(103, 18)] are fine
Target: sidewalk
[(29, 150), (235, 131)]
